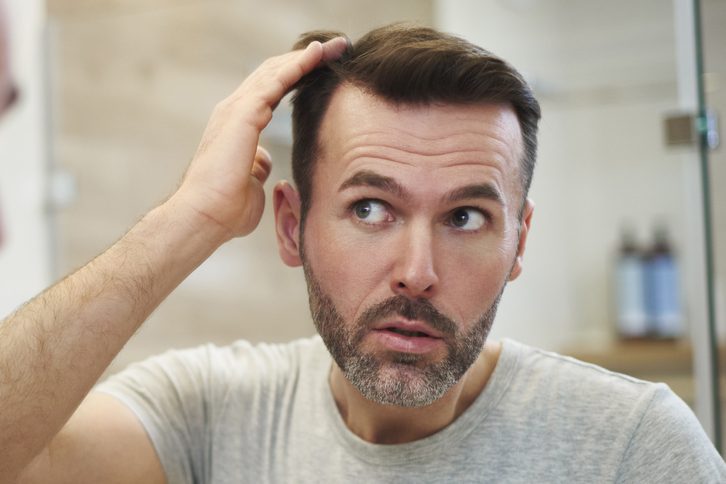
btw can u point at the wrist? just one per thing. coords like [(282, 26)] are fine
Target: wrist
[(182, 214), (171, 241)]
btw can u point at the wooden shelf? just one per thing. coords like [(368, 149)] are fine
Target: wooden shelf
[(670, 362)]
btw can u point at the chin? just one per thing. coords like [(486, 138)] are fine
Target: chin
[(401, 382)]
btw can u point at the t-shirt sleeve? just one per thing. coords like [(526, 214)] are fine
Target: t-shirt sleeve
[(669, 445), (173, 397)]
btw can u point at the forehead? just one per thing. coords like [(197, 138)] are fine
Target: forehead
[(432, 143)]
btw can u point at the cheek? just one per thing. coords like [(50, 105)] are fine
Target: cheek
[(471, 277), (350, 270)]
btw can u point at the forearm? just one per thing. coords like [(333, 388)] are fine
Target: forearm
[(53, 349)]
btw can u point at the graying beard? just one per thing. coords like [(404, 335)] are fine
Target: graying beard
[(364, 371), (434, 381), (364, 374)]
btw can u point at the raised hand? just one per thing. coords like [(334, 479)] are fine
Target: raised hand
[(55, 347), (223, 185)]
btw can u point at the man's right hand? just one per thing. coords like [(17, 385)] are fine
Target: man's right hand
[(55, 347), (223, 184)]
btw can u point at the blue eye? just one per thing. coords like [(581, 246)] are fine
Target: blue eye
[(469, 219), (370, 211)]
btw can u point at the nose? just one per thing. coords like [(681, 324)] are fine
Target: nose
[(414, 274)]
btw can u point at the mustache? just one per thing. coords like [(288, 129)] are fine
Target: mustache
[(413, 309)]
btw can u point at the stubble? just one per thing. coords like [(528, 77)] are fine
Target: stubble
[(400, 379)]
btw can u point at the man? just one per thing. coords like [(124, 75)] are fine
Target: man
[(413, 154)]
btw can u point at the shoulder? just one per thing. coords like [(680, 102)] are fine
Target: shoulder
[(572, 400), (187, 400), (242, 353), (640, 428), (269, 363), (209, 372), (567, 379), (669, 445)]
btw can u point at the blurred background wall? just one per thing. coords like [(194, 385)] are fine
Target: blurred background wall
[(27, 240), (117, 94)]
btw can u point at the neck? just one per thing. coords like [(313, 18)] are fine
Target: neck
[(388, 424)]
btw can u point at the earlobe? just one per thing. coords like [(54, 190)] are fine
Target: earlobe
[(286, 201), (526, 223)]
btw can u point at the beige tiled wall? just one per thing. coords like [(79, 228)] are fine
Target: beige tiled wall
[(132, 85)]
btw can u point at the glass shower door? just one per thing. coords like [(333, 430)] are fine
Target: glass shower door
[(711, 69)]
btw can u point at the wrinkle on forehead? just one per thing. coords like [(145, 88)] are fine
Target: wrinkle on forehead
[(462, 143), (415, 156), (360, 129)]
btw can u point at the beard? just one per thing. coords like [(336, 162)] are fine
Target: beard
[(401, 379)]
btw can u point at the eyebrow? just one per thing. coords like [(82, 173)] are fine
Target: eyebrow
[(485, 191), (368, 178)]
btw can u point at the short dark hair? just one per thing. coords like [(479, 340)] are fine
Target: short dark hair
[(407, 64)]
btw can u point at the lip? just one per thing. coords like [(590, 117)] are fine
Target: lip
[(408, 325), (392, 341)]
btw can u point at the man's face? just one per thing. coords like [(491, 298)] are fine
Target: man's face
[(412, 233)]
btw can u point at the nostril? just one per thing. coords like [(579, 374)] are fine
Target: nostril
[(401, 285)]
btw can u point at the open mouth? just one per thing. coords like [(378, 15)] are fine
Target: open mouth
[(408, 333), (409, 340)]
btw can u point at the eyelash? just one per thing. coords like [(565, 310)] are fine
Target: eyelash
[(357, 203), (449, 217), (485, 215)]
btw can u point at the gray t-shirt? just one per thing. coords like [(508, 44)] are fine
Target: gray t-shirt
[(265, 413)]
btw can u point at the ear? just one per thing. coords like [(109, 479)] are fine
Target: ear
[(287, 223), (526, 223)]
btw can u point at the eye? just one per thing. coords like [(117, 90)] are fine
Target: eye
[(370, 211), (469, 219)]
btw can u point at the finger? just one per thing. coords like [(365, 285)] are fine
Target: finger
[(254, 100), (334, 48), (276, 76), (302, 62), (262, 157), (262, 91), (262, 165)]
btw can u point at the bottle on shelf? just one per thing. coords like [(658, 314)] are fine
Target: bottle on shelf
[(662, 287), (632, 317)]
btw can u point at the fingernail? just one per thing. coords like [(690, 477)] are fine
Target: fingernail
[(265, 154), (337, 39)]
